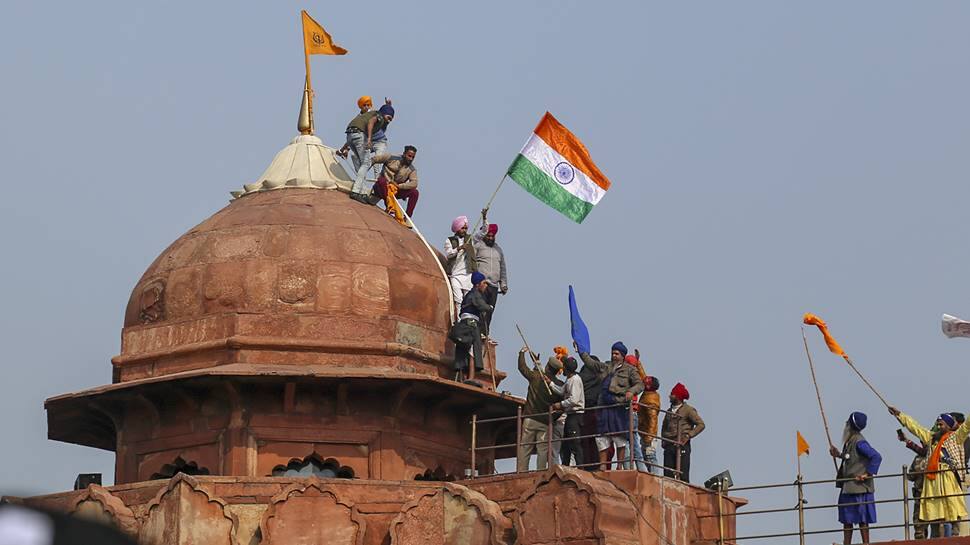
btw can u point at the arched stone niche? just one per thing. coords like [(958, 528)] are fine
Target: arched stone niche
[(187, 513), (568, 505), (311, 513), (451, 515), (98, 504)]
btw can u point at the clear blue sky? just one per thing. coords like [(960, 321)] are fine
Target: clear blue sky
[(767, 158)]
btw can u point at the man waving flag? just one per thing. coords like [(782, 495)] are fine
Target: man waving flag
[(555, 167)]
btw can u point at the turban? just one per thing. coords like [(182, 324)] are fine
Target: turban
[(680, 392), (631, 359), (458, 223), (948, 419), (554, 363), (386, 109), (858, 420), (477, 278), (493, 229), (364, 101), (619, 347), (569, 363), (561, 351)]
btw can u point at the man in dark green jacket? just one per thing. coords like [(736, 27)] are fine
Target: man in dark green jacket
[(535, 423)]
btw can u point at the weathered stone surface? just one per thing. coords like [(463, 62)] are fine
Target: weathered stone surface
[(186, 513), (453, 515), (97, 503), (311, 514)]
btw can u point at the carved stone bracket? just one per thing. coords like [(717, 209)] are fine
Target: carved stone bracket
[(568, 504), (186, 512), (451, 515), (309, 513), (99, 504)]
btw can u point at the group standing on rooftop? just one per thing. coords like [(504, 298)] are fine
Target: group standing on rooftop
[(589, 412)]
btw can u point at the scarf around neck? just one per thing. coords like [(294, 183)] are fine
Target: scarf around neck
[(933, 466)]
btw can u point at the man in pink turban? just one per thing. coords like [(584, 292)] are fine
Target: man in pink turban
[(460, 264)]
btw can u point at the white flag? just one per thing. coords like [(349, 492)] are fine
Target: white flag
[(955, 327)]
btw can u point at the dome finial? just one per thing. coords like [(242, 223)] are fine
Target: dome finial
[(305, 123)]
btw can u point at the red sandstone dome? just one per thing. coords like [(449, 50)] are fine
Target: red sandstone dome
[(294, 329), (279, 270)]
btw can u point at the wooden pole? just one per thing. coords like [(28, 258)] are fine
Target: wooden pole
[(535, 361), (871, 387), (818, 395)]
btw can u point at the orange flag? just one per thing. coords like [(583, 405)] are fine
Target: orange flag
[(801, 444), (811, 319), (316, 40)]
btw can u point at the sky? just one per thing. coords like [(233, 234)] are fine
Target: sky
[(767, 158)]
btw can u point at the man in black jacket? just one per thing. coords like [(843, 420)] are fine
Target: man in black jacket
[(471, 326)]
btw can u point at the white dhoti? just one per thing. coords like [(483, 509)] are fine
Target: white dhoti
[(460, 285)]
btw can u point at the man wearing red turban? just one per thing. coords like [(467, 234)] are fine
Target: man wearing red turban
[(681, 424), (490, 261)]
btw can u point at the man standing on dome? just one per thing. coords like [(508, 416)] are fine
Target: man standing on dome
[(942, 498), (400, 172), (360, 141), (490, 261), (681, 424), (460, 255), (858, 463)]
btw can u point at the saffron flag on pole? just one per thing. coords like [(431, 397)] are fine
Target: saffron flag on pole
[(801, 445), (577, 326), (556, 167), (316, 40), (811, 319)]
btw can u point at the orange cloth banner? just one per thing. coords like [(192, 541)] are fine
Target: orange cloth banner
[(316, 40), (801, 444), (811, 319)]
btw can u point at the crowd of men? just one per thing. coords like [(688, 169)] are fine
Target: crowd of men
[(938, 474), (590, 407), (589, 410)]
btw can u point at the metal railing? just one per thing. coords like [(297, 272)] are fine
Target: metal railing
[(801, 506), (630, 459)]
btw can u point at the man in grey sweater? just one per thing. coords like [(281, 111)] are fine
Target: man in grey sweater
[(490, 261)]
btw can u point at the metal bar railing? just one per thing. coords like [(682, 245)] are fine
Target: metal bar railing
[(631, 459)]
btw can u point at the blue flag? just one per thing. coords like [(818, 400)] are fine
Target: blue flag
[(579, 330)]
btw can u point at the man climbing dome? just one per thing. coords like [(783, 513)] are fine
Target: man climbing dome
[(468, 331), (490, 261), (360, 141), (399, 171), (460, 264)]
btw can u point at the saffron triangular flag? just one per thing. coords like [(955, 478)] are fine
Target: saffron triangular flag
[(801, 445), (316, 40), (556, 167), (811, 319)]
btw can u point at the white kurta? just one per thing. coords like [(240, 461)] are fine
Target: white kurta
[(461, 277)]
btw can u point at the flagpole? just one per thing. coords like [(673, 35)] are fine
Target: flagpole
[(308, 87), (818, 395), (849, 361), (488, 205), (535, 361)]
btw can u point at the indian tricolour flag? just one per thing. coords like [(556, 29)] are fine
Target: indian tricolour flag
[(555, 167)]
